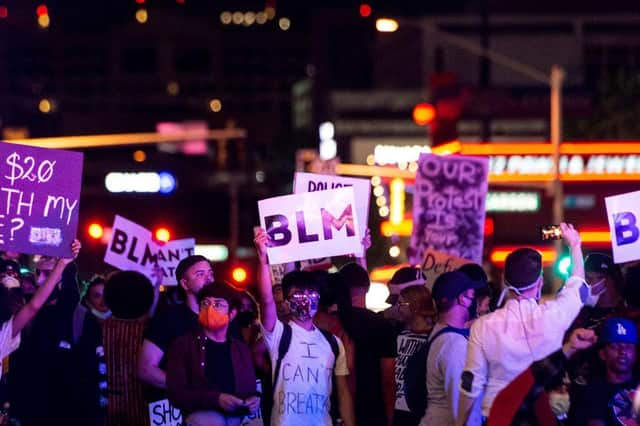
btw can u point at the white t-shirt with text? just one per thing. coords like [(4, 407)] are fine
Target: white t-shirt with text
[(303, 390)]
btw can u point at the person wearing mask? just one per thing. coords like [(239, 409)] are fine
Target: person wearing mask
[(192, 274), (609, 400), (210, 377), (504, 343), (302, 355), (454, 295), (415, 312)]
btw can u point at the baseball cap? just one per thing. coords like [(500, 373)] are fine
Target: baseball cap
[(451, 284), (599, 262), (404, 277), (618, 330), (522, 267)]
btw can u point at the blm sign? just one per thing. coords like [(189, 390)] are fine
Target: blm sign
[(623, 213), (131, 247), (39, 199), (449, 207)]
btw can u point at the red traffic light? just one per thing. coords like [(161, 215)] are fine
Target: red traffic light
[(42, 10), (162, 234), (365, 10), (95, 231), (424, 114), (239, 274)]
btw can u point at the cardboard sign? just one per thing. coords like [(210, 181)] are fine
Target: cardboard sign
[(437, 263), (162, 413), (310, 182), (39, 199), (310, 225), (449, 206), (131, 247), (623, 213)]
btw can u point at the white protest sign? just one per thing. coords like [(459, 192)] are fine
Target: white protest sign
[(623, 212), (448, 206), (162, 413), (311, 182), (131, 247), (310, 225)]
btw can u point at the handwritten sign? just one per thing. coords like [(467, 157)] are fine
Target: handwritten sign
[(449, 206), (131, 247), (311, 182), (162, 413), (437, 263), (310, 225), (623, 213), (39, 199)]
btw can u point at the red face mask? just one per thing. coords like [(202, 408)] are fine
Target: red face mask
[(213, 320)]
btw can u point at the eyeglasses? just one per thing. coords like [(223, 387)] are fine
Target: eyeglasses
[(216, 304)]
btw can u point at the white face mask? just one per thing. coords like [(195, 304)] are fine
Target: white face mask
[(592, 298), (101, 315)]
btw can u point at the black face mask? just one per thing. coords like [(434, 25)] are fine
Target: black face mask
[(245, 318)]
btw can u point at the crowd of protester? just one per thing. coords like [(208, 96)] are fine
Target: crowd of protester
[(306, 351)]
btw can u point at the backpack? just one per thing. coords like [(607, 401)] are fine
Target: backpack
[(415, 374), (283, 348)]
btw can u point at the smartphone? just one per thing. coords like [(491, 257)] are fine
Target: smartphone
[(550, 232)]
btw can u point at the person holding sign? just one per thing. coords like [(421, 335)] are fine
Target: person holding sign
[(12, 325), (305, 359), (210, 375)]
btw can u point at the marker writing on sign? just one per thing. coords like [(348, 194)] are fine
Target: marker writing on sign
[(43, 172), (278, 227)]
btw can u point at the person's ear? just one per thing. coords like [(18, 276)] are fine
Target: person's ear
[(232, 314), (183, 284)]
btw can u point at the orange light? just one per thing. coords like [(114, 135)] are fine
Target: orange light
[(163, 234), (42, 10), (452, 147), (403, 229), (384, 274), (239, 274), (424, 114), (499, 254), (365, 10), (396, 207), (95, 231), (595, 236)]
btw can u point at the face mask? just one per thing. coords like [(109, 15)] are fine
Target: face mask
[(245, 318), (592, 299), (213, 320), (303, 306), (101, 315)]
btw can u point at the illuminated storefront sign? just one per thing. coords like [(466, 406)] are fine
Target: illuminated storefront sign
[(150, 182), (512, 202)]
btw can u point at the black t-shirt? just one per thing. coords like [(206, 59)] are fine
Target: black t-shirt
[(168, 325), (374, 339), (610, 403), (218, 366)]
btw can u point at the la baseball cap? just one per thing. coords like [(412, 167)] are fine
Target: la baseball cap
[(618, 330)]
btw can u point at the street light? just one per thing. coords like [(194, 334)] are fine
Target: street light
[(386, 25)]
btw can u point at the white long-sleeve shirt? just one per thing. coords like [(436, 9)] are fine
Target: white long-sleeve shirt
[(504, 343)]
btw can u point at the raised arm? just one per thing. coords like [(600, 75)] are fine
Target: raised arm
[(572, 238), (267, 303), (29, 310)]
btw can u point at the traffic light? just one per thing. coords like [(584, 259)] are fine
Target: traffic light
[(95, 231), (162, 235), (240, 275), (563, 265), (447, 97), (424, 114)]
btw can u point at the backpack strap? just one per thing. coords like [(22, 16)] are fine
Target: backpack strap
[(283, 348), (333, 342), (448, 329)]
